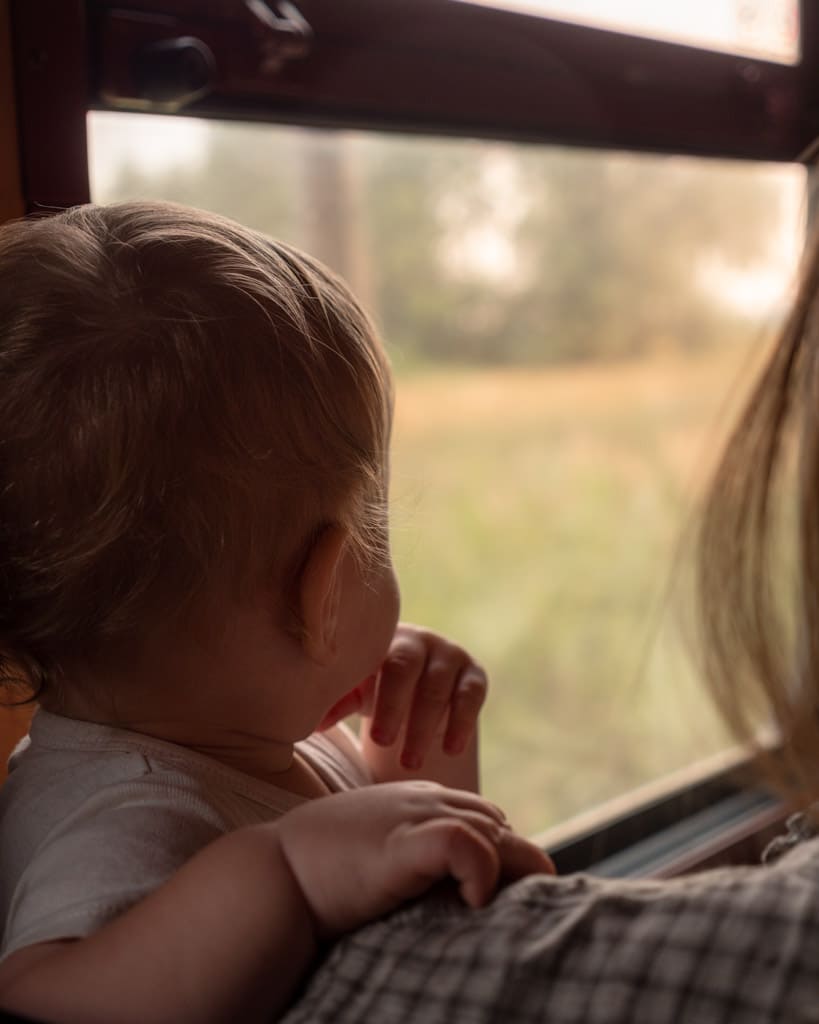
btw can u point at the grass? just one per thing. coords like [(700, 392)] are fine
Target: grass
[(538, 514)]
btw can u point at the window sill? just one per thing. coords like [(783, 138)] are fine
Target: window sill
[(705, 816)]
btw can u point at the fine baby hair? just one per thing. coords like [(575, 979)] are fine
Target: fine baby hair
[(184, 403)]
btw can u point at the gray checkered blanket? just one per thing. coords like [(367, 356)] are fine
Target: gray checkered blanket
[(738, 945)]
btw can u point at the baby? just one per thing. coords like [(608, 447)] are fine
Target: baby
[(196, 585)]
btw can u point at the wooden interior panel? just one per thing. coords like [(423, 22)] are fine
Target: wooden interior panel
[(13, 721), (14, 724), (51, 82), (11, 193)]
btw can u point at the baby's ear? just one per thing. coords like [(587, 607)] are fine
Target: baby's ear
[(320, 593)]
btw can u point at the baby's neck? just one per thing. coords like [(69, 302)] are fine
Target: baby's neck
[(258, 756), (279, 764), (234, 689)]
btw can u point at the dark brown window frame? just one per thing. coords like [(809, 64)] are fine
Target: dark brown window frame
[(434, 67), (429, 66)]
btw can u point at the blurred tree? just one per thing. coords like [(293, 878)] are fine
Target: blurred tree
[(480, 252), (611, 252)]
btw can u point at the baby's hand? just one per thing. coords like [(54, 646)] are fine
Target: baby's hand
[(430, 687), (427, 688), (358, 854)]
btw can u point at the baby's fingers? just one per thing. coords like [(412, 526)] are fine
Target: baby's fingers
[(396, 684), (450, 847), (465, 706), (431, 706), (519, 857), (448, 699)]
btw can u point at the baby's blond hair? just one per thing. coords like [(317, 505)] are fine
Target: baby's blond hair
[(184, 404)]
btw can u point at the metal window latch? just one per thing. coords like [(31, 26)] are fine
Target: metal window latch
[(172, 73), (288, 36)]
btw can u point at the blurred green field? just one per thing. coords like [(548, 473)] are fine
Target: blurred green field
[(537, 518)]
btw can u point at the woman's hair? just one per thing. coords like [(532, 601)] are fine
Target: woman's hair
[(183, 403), (758, 558)]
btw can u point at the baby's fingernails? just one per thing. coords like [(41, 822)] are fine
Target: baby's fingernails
[(410, 760)]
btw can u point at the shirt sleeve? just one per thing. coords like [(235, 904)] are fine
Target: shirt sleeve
[(735, 946), (116, 848), (336, 755)]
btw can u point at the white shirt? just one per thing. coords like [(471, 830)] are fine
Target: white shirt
[(93, 818)]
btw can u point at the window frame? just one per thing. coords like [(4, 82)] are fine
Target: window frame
[(439, 67), (711, 814), (443, 68), (429, 66)]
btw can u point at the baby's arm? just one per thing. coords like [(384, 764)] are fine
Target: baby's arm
[(419, 714), (232, 934), (226, 938)]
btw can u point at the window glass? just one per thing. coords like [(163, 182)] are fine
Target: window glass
[(768, 29), (565, 326)]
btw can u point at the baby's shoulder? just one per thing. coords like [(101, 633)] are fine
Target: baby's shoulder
[(63, 763), (69, 776), (43, 776), (91, 821)]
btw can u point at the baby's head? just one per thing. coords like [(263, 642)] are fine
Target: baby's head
[(184, 406)]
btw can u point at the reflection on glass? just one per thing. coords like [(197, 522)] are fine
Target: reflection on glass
[(565, 326), (767, 29)]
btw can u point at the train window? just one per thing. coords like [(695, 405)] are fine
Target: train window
[(768, 29), (565, 312), (564, 326)]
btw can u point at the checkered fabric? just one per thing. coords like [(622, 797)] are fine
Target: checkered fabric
[(732, 946)]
